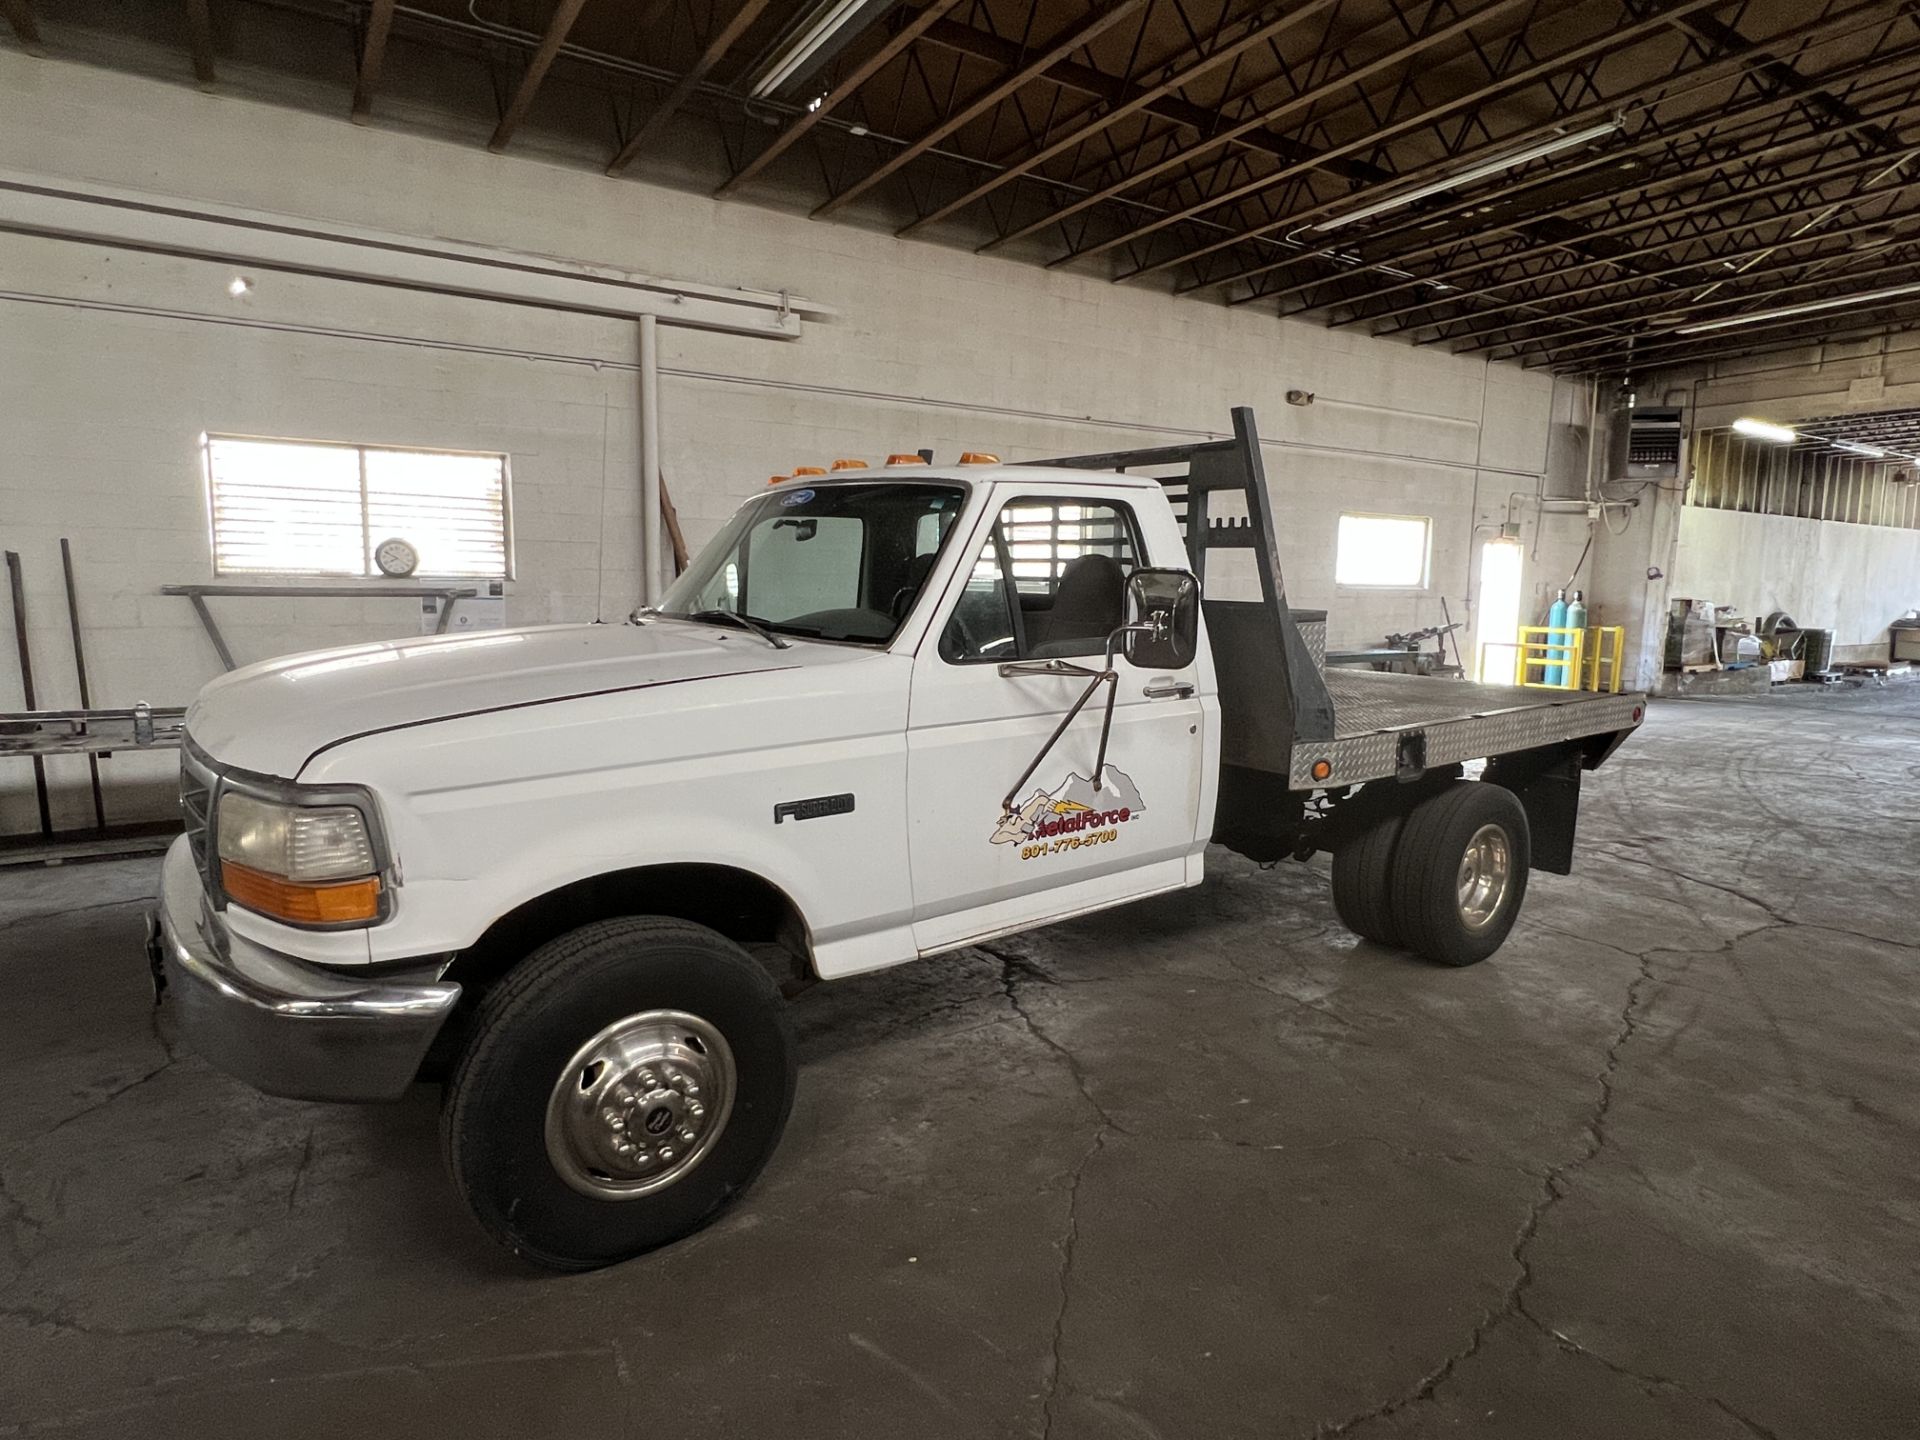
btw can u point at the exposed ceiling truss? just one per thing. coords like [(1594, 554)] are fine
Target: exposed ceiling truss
[(1590, 185)]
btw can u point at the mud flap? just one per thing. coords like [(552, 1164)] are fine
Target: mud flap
[(1547, 784)]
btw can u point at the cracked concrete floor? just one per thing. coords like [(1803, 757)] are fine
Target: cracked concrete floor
[(1200, 1167)]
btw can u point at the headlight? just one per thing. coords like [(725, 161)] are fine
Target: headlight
[(306, 864)]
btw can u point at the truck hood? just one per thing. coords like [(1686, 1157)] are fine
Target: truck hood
[(273, 717)]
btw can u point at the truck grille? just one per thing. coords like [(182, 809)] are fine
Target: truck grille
[(197, 780)]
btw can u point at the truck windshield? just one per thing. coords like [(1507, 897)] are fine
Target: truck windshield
[(841, 561)]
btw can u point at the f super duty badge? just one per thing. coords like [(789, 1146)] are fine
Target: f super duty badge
[(817, 808)]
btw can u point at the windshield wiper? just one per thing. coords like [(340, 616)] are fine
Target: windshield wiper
[(745, 623)]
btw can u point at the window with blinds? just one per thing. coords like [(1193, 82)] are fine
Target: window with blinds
[(287, 507)]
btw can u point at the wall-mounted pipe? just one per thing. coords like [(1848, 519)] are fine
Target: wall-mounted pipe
[(107, 215)]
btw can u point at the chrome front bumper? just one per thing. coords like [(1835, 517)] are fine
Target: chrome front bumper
[(280, 1024)]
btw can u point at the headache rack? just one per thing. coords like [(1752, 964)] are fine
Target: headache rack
[(1285, 717)]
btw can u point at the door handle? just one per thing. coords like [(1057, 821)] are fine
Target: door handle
[(1168, 690)]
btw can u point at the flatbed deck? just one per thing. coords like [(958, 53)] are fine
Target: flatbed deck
[(1374, 710)]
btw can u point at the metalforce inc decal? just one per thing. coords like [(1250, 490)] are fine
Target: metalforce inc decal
[(1071, 816)]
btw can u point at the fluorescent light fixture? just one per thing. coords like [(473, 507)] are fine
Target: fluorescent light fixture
[(1872, 452), (1812, 307), (1764, 430), (1478, 172), (829, 24)]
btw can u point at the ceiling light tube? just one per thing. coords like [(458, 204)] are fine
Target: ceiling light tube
[(1872, 452), (1764, 430), (831, 17), (1812, 307), (1478, 172)]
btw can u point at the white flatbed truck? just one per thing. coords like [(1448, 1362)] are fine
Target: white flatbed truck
[(885, 714)]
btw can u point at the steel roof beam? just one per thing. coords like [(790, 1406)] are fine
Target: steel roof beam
[(373, 55), (1112, 90), (1077, 37), (1569, 338), (1458, 295), (1265, 117), (1669, 322), (858, 76), (1417, 223), (1600, 45), (1626, 227), (716, 51), (200, 43), (1809, 237), (558, 26), (1633, 352), (1140, 101)]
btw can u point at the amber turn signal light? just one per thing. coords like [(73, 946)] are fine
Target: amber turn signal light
[(906, 459), (342, 903), (800, 470), (1322, 769), (978, 457), (849, 464)]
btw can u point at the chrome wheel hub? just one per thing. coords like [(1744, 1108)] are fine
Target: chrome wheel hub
[(1486, 869), (640, 1104)]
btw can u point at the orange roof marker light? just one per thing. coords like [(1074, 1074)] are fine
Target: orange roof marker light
[(849, 464), (906, 459), (978, 457), (800, 470), (778, 479)]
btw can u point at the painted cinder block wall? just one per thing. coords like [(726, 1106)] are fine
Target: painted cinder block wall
[(114, 363)]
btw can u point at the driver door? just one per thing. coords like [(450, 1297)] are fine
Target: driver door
[(1046, 583)]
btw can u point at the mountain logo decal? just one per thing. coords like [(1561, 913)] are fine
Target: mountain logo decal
[(1071, 814)]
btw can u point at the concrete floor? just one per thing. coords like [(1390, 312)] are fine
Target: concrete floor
[(1202, 1167)]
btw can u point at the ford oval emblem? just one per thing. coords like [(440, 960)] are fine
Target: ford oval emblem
[(798, 497)]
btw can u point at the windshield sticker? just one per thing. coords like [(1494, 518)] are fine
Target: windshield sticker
[(798, 497), (1071, 816)]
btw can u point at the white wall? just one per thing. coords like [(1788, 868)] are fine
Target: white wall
[(113, 363), (1851, 579)]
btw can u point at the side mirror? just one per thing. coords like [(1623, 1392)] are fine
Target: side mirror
[(1164, 605)]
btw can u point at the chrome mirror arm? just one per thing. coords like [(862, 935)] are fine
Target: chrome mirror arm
[(1157, 625)]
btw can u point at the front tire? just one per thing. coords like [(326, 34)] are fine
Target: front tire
[(1460, 872), (620, 1088)]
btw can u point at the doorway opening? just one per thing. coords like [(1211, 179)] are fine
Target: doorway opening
[(1497, 611)]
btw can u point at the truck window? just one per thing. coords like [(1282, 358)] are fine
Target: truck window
[(1050, 581), (841, 561)]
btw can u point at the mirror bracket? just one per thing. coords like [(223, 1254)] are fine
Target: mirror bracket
[(1156, 623)]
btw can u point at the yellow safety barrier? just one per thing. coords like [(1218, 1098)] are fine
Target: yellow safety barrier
[(1586, 659), (1605, 644), (1546, 649)]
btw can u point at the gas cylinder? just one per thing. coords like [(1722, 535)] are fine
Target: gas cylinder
[(1556, 674), (1576, 620)]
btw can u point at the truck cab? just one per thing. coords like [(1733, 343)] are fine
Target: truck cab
[(885, 713)]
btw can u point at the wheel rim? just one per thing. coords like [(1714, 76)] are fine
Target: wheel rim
[(1486, 872), (640, 1104)]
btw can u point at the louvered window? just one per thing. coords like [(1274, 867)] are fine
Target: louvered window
[(286, 507)]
